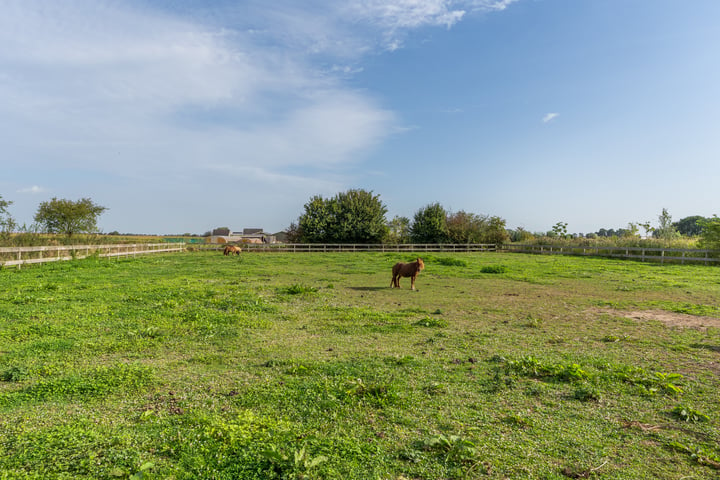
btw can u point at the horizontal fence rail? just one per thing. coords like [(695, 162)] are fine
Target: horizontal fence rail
[(359, 247), (644, 254), (18, 256)]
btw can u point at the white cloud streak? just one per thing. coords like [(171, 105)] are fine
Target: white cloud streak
[(549, 117), (34, 190)]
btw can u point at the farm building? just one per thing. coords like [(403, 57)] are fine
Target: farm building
[(248, 235)]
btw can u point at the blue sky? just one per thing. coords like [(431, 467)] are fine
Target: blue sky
[(186, 115)]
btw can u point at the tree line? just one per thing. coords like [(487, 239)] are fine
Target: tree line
[(359, 216), (59, 215)]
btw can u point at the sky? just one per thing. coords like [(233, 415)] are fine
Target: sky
[(181, 116)]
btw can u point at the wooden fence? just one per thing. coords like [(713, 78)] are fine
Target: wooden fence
[(644, 254), (18, 256), (359, 247)]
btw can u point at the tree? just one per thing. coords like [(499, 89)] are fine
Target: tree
[(465, 227), (7, 222), (495, 231), (430, 225), (647, 227), (313, 224), (68, 217), (666, 230), (293, 233), (355, 216), (560, 229), (398, 230), (520, 235), (632, 230), (359, 217), (710, 236), (689, 226)]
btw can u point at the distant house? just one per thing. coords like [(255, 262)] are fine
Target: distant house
[(248, 235)]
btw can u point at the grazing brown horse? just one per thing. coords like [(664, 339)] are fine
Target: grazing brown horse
[(411, 270), (232, 249)]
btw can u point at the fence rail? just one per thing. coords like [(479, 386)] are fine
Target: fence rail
[(645, 254), (649, 254), (18, 256), (360, 247)]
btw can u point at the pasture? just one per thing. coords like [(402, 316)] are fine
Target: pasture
[(290, 366)]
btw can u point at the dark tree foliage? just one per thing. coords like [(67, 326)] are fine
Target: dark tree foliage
[(689, 226), (69, 217), (710, 236), (7, 222), (494, 231), (465, 227), (355, 216), (430, 225), (398, 231)]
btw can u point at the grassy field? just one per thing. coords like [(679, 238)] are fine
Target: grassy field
[(309, 366)]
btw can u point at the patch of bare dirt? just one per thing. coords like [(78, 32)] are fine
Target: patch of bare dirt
[(671, 319)]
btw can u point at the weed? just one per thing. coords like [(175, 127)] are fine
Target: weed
[(431, 322), (454, 448), (451, 262), (494, 269), (689, 414), (297, 289), (378, 394), (532, 322), (587, 393), (296, 466), (697, 453), (14, 374)]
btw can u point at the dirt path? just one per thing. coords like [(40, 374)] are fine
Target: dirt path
[(671, 319)]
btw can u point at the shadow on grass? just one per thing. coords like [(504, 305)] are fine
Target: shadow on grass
[(368, 289), (705, 346)]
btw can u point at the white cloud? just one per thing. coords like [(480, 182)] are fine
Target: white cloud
[(35, 189), (549, 117), (396, 14)]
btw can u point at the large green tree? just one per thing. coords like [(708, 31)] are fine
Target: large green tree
[(430, 225), (464, 227), (69, 217), (495, 231), (355, 216), (689, 226), (710, 236)]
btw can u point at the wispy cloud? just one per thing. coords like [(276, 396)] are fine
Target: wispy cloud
[(549, 117), (133, 89), (35, 189)]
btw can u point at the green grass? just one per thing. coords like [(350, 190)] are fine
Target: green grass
[(293, 366)]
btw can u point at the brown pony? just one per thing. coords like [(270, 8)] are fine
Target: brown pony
[(411, 270), (232, 249)]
